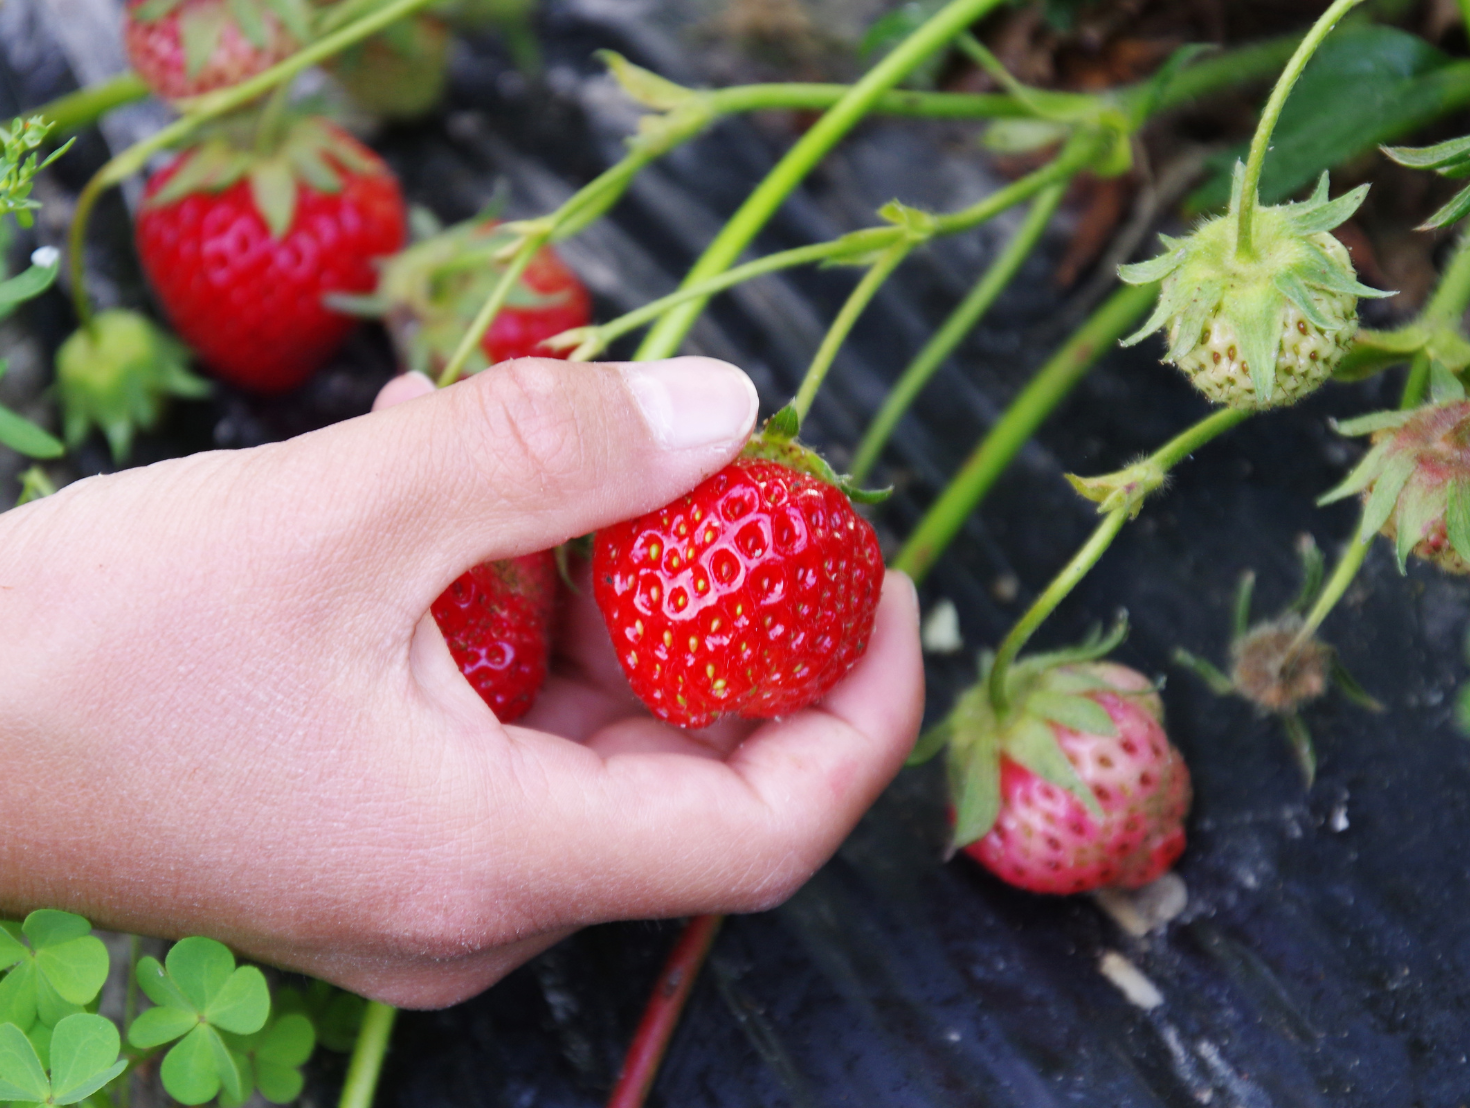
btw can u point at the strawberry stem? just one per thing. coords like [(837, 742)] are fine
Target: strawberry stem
[(1162, 460), (530, 244), (366, 1064), (837, 334), (959, 324), (661, 1016), (1271, 113), (792, 169), (1051, 384)]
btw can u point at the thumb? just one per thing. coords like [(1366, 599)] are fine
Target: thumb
[(520, 457)]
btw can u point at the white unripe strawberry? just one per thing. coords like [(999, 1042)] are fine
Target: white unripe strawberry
[(1265, 327)]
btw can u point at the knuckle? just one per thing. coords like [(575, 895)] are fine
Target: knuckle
[(529, 435)]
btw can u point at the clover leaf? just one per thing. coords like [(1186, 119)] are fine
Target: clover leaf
[(273, 1058), (56, 966), (200, 994), (335, 1013), (83, 1058)]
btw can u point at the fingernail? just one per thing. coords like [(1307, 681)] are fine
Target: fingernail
[(693, 402)]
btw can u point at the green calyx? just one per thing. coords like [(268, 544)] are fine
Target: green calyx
[(1416, 478), (277, 157), (776, 442), (429, 294), (203, 22), (1260, 327), (401, 72), (1045, 691), (116, 374)]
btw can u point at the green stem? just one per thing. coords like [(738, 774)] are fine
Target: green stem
[(1079, 151), (1257, 62), (470, 340), (1346, 570), (1452, 296), (837, 334), (600, 337), (199, 111), (959, 324), (79, 109), (1163, 459), (1061, 586), (1261, 142), (361, 1081), (1465, 12), (802, 96), (771, 193), (1015, 427)]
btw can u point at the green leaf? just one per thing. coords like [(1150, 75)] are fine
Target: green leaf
[(309, 164), (24, 437), (1374, 421), (1205, 299), (232, 1070), (1255, 315), (151, 10), (1078, 713), (1457, 516), (1418, 506), (48, 927), (159, 987), (1442, 155), (930, 743), (211, 167), (1385, 495), (274, 1055), (242, 1003), (1368, 84), (21, 1075), (200, 967), (1313, 218), (1444, 386), (278, 1084), (294, 17), (1244, 593), (12, 950), (1207, 671), (51, 1006), (273, 188), (27, 285), (1452, 212), (18, 995), (335, 1013), (247, 18), (1290, 286), (83, 1057), (1033, 744), (1155, 269), (75, 967), (1167, 307), (975, 785), (200, 28), (188, 1069), (160, 1025)]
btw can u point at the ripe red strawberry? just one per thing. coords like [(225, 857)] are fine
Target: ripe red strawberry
[(242, 247), (497, 619), (752, 595), (1045, 840), (429, 294), (183, 48)]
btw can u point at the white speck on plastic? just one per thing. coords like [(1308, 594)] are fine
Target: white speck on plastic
[(45, 256), (941, 630), (1139, 911), (1338, 820), (1130, 981)]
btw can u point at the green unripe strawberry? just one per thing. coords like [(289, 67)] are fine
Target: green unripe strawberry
[(116, 373), (1264, 327)]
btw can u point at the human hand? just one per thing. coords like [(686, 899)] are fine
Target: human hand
[(225, 710)]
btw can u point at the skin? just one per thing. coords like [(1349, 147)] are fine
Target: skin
[(225, 710)]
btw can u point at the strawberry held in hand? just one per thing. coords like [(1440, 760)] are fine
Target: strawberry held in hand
[(1074, 786), (430, 294), (752, 596), (497, 621), (242, 239), (184, 48)]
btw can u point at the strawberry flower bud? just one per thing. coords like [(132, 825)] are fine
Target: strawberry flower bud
[(1263, 328)]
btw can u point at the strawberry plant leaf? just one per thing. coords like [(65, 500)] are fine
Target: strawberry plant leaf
[(1290, 286), (28, 284), (1255, 315), (1363, 474), (975, 786), (1373, 421), (1365, 86), (1155, 269), (293, 16), (1322, 214), (930, 743), (1449, 154), (1444, 386), (1417, 507), (84, 1051), (1033, 744), (22, 1077), (1452, 212)]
